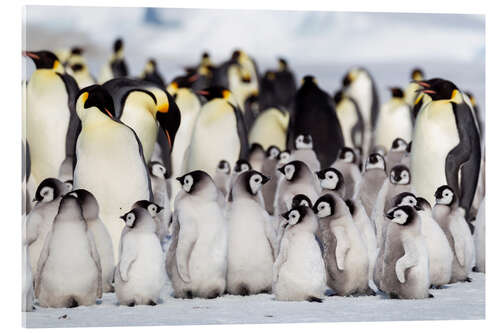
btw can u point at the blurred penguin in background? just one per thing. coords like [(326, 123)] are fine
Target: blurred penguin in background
[(350, 119), (76, 66), (116, 65), (151, 73), (270, 128), (411, 92)]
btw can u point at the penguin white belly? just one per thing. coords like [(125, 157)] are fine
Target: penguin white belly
[(268, 130), (346, 112), (83, 79), (392, 123), (250, 255), (144, 125), (104, 246), (105, 74), (47, 122), (435, 135), (110, 167), (360, 91), (367, 233), (214, 140), (419, 274)]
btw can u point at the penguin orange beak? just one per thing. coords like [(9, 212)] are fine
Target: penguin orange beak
[(422, 83), (31, 55)]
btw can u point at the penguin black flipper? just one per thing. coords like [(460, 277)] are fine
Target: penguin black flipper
[(74, 126), (465, 157), (359, 127), (242, 132)]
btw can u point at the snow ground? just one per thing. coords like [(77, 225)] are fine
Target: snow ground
[(458, 301)]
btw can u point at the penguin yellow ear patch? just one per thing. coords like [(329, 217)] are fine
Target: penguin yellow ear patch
[(226, 94), (163, 108), (85, 96), (56, 64), (454, 94)]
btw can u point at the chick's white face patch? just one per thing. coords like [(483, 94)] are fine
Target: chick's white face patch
[(187, 183), (153, 210), (330, 181), (255, 183), (324, 209), (447, 197), (158, 170), (47, 194), (400, 216), (130, 220), (289, 171), (293, 217)]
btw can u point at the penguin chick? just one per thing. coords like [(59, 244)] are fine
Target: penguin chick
[(298, 200), (222, 175), (450, 218), (159, 186), (257, 156), (240, 166), (69, 270), (139, 275), (397, 153), (372, 180), (102, 239), (269, 168), (406, 262), (297, 179), (304, 152), (345, 254), (346, 164), (154, 210), (197, 258), (299, 271), (252, 239), (479, 238), (39, 221)]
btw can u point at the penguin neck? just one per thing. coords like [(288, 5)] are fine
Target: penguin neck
[(95, 118)]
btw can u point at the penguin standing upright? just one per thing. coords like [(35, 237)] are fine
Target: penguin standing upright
[(221, 178), (69, 269), (284, 84), (158, 175), (299, 270), (351, 120), (360, 86), (446, 146), (219, 133), (394, 120), (346, 164), (269, 168), (304, 152), (197, 258), (77, 67), (411, 92), (396, 155), (151, 73), (161, 225), (256, 156), (270, 128), (372, 180), (109, 160), (51, 121), (139, 275), (116, 65), (314, 113)]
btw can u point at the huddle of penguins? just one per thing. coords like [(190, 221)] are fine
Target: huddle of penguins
[(228, 181)]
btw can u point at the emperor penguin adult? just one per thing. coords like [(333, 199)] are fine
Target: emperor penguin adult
[(446, 146), (346, 164), (51, 121), (314, 113), (102, 239), (411, 92), (451, 218), (304, 151), (299, 271), (152, 74), (197, 258), (77, 67), (396, 155), (345, 255), (218, 134), (395, 120), (139, 274), (406, 261), (284, 83), (116, 65), (251, 238), (359, 84), (297, 179), (109, 160), (39, 220), (270, 128), (372, 179), (63, 281), (351, 120), (269, 167), (440, 253)]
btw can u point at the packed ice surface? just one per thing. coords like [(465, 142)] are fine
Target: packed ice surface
[(456, 301)]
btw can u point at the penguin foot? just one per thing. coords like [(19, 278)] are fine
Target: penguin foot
[(72, 303), (436, 287), (243, 290), (393, 296), (213, 294), (369, 292), (314, 299), (474, 269), (265, 291), (430, 296), (152, 303), (188, 294), (468, 279), (131, 304)]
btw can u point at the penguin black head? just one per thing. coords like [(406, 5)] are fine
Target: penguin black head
[(96, 96), (273, 152), (256, 147), (292, 170), (44, 60), (242, 165), (283, 64), (400, 174), (236, 54), (375, 161), (194, 181), (399, 144), (138, 216), (403, 215), (423, 204), (404, 199), (205, 55), (157, 169), (445, 196), (301, 200), (254, 181), (88, 202), (397, 92), (303, 141), (224, 167), (417, 74), (347, 155), (76, 50), (213, 92), (48, 190), (77, 67), (337, 97), (117, 45), (295, 215), (309, 80), (330, 179), (151, 207), (324, 206), (439, 89), (284, 156)]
